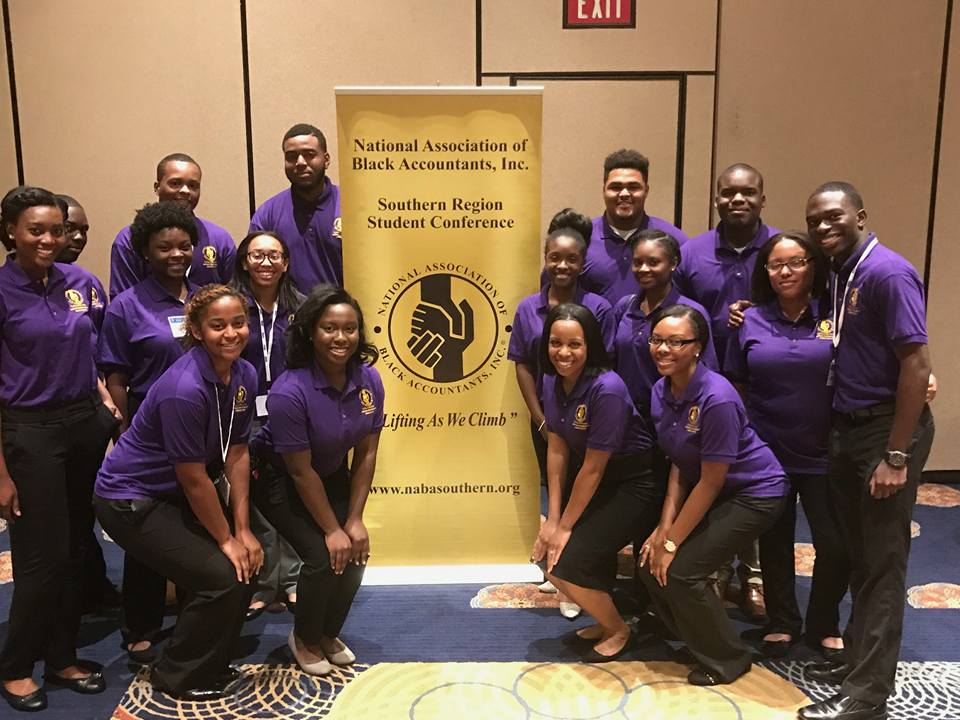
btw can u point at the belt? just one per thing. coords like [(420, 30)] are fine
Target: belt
[(879, 410), (50, 413)]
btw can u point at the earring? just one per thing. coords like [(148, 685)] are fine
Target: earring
[(697, 356)]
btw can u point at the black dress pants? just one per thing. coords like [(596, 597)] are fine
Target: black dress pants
[(165, 535), (831, 569), (877, 533), (53, 455), (687, 606), (323, 597)]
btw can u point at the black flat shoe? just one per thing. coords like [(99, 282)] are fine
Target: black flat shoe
[(32, 702), (683, 656), (831, 654), (841, 707), (827, 672), (292, 606), (703, 678), (88, 684), (776, 648), (592, 656), (147, 656)]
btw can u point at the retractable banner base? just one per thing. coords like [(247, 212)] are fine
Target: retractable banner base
[(440, 212)]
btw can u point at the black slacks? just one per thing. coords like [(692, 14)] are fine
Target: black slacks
[(831, 570), (166, 536), (694, 612), (53, 455), (323, 598), (877, 534)]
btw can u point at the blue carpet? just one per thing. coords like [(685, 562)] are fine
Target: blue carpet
[(437, 623)]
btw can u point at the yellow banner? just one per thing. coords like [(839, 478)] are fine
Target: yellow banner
[(441, 208)]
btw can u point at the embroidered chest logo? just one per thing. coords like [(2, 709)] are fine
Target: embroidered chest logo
[(367, 406), (580, 421), (209, 256), (75, 301), (693, 419), (825, 330), (336, 228), (240, 401), (854, 302), (95, 301)]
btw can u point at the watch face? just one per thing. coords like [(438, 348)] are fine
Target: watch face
[(896, 459)]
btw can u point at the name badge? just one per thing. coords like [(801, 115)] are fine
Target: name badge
[(261, 402), (178, 325)]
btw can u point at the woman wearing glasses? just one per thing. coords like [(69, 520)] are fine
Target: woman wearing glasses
[(779, 358), (725, 489), (262, 274)]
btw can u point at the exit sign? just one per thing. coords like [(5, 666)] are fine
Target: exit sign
[(599, 14)]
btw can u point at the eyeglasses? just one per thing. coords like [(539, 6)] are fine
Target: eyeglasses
[(273, 256), (656, 341), (793, 263)]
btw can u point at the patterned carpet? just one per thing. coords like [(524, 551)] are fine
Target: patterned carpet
[(467, 651)]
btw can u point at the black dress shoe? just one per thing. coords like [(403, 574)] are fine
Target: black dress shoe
[(827, 672), (230, 675), (253, 613), (32, 702), (88, 684), (841, 707), (703, 678), (197, 694)]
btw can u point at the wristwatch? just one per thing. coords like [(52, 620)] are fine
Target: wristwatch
[(670, 546), (896, 459)]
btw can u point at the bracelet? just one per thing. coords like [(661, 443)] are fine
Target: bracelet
[(542, 423)]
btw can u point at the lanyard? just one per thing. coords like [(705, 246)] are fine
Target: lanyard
[(838, 317), (264, 342), (224, 446)]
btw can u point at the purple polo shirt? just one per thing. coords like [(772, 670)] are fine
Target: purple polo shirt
[(608, 269), (253, 352), (598, 414), (634, 362), (307, 413), (311, 231), (213, 259), (784, 365), (709, 423), (884, 310), (48, 335), (528, 327), (180, 421), (141, 334), (715, 275)]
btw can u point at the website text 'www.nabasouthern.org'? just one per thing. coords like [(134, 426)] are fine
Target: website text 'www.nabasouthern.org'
[(463, 488)]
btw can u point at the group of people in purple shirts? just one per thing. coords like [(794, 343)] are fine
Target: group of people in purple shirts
[(235, 382), (683, 393)]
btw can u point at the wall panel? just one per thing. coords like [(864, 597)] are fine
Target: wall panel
[(698, 151), (8, 151), (149, 79), (834, 90), (301, 49), (529, 36), (944, 296)]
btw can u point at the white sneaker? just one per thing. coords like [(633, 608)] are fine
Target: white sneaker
[(308, 662), (344, 656), (547, 587), (569, 610)]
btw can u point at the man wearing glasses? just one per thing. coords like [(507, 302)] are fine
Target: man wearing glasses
[(178, 180)]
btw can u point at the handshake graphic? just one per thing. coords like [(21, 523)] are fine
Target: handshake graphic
[(440, 329)]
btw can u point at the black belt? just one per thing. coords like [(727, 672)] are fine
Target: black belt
[(879, 410)]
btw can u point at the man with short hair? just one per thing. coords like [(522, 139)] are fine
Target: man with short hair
[(307, 214), (178, 180), (880, 438), (608, 270), (715, 270), (75, 228)]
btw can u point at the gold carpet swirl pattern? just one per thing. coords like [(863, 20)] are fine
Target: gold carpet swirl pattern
[(938, 495), (803, 556), (6, 568), (554, 691), (513, 595), (938, 595)]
